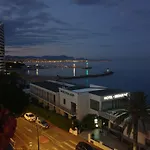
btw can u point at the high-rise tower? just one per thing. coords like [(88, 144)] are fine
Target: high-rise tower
[(2, 48)]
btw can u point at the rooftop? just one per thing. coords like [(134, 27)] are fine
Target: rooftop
[(86, 90), (61, 83), (76, 87), (107, 92), (53, 86), (82, 88)]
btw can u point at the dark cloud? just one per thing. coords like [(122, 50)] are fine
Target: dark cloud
[(86, 2), (24, 5), (143, 13), (28, 16), (120, 29), (105, 45), (98, 2), (30, 22)]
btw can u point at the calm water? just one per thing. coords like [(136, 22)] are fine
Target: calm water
[(130, 75)]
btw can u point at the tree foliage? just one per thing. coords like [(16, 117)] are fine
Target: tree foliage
[(88, 122), (136, 112), (12, 96)]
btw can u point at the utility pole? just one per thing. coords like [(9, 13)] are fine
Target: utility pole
[(38, 138)]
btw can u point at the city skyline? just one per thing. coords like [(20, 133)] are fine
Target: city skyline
[(79, 28)]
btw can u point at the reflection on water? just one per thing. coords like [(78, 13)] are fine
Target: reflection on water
[(74, 72), (28, 72), (87, 72), (37, 72)]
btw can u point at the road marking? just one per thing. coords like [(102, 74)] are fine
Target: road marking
[(72, 142), (54, 148), (27, 137), (56, 142), (28, 129), (52, 138), (21, 139), (62, 147), (68, 145)]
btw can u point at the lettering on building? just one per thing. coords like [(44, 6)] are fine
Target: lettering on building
[(115, 96)]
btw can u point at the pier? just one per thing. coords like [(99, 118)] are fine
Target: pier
[(86, 76)]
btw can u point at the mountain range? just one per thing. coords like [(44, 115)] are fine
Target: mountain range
[(46, 57)]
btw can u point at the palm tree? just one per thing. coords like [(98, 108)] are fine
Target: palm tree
[(136, 111)]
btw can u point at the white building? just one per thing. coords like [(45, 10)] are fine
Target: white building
[(103, 100), (77, 101), (47, 93)]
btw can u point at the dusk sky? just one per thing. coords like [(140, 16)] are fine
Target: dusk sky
[(79, 28)]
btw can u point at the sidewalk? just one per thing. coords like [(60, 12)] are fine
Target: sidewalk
[(107, 138)]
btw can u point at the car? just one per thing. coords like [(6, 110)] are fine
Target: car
[(83, 146), (42, 123), (30, 116)]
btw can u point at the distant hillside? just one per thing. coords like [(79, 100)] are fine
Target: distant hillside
[(61, 57)]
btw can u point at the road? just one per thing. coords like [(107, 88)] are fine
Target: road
[(50, 139)]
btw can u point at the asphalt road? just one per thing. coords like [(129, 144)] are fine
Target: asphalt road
[(50, 139)]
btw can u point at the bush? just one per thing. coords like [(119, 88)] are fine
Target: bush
[(56, 119), (87, 122)]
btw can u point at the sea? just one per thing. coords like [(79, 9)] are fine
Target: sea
[(129, 74)]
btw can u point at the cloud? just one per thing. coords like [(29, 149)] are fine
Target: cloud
[(25, 19), (98, 2), (29, 23), (142, 13)]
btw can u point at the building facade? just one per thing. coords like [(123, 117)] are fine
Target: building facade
[(2, 48), (74, 101)]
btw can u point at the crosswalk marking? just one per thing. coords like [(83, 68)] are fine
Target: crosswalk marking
[(62, 146), (68, 145), (72, 142), (54, 148)]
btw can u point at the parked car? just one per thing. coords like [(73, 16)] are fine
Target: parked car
[(42, 123), (30, 116), (83, 146)]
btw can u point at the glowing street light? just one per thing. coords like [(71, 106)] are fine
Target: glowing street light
[(96, 122)]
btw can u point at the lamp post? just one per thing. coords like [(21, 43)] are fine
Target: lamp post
[(38, 137)]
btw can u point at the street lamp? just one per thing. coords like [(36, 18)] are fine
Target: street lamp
[(96, 122), (38, 137)]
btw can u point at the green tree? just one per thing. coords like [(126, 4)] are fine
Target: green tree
[(136, 111), (88, 121)]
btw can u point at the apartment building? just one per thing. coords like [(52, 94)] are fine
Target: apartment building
[(2, 47)]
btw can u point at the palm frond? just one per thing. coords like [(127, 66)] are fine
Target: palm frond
[(119, 120)]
